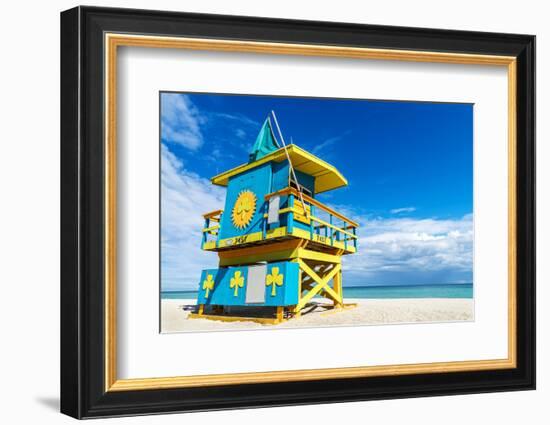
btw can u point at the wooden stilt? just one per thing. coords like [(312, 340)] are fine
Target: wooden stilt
[(201, 309), (322, 283), (297, 309), (280, 313), (338, 289)]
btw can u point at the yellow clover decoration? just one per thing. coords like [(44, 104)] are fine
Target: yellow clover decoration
[(208, 285), (237, 281), (274, 279), (244, 209)]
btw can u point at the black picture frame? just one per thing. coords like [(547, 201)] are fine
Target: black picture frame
[(83, 392)]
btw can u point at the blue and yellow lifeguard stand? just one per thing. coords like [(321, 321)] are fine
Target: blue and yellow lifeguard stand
[(278, 246)]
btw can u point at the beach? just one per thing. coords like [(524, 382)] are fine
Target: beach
[(175, 312)]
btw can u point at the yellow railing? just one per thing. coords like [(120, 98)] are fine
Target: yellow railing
[(314, 202), (212, 230), (346, 232), (333, 229)]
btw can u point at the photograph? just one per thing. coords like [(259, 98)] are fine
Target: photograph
[(285, 212)]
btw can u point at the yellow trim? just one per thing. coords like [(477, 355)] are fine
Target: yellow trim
[(220, 318), (209, 245), (284, 211), (273, 234), (255, 254), (286, 245), (139, 384), (276, 233), (209, 229), (250, 259), (113, 41), (213, 215), (252, 237), (329, 177), (110, 213), (299, 214), (318, 256)]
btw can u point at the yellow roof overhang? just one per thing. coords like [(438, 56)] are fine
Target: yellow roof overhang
[(326, 176)]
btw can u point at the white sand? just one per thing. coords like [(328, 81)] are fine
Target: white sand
[(368, 312)]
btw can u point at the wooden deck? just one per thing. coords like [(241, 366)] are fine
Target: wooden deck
[(337, 237), (316, 243)]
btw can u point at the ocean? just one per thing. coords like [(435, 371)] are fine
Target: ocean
[(455, 290)]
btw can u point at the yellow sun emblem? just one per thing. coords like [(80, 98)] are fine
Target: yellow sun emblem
[(244, 209)]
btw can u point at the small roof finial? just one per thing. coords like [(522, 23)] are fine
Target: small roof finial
[(265, 143)]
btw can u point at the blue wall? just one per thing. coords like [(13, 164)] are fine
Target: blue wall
[(281, 173), (223, 294), (280, 176), (307, 181), (261, 180)]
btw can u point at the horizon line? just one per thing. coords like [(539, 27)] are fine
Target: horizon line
[(354, 286)]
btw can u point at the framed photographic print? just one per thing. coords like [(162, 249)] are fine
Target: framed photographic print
[(261, 212)]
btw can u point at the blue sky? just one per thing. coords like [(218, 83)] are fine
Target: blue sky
[(409, 166)]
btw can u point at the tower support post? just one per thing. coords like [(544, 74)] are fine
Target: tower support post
[(315, 278), (280, 313)]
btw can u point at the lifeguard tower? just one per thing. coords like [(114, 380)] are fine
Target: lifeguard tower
[(278, 247)]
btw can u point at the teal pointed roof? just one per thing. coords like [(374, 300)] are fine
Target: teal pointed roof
[(265, 142)]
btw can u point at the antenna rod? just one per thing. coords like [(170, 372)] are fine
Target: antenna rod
[(273, 134), (290, 164)]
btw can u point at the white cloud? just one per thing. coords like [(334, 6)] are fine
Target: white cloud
[(235, 126), (402, 210), (418, 249), (240, 133), (185, 197), (181, 121), (237, 118), (329, 142), (408, 250)]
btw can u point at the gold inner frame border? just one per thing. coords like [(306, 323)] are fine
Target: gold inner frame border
[(113, 40)]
